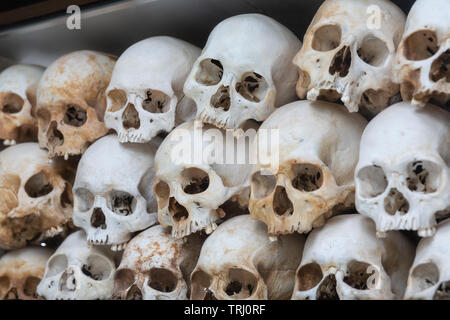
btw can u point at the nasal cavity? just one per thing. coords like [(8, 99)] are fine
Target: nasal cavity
[(75, 115), (98, 219), (443, 291), (440, 69), (221, 99), (395, 203), (130, 117), (54, 137), (281, 203), (134, 293), (177, 211), (68, 282), (341, 62), (327, 289)]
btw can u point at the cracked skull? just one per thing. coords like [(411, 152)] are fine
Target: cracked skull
[(77, 271), (244, 71), (71, 102), (423, 57), (349, 52), (35, 195), (344, 260), (113, 196), (145, 96), (317, 153), (18, 85), (156, 266), (21, 271), (402, 177)]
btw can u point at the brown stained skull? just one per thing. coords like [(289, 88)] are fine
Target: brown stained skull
[(71, 102)]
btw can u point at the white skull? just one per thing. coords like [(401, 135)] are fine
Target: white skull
[(71, 102), (349, 53), (317, 155), (244, 71), (344, 260), (77, 271), (429, 277), (423, 57), (239, 261), (113, 195), (35, 195), (18, 85), (145, 96), (156, 266), (194, 194), (402, 177), (21, 271)]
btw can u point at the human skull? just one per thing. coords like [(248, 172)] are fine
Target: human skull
[(21, 271), (423, 57), (113, 191), (18, 85), (344, 260), (35, 195), (194, 186), (429, 277), (244, 71), (77, 271), (71, 102), (349, 53), (145, 96), (156, 266), (317, 154), (402, 177), (239, 261)]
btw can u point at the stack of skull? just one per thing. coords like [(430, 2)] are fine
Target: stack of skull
[(119, 177)]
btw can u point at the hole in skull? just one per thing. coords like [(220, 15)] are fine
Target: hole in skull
[(327, 38), (123, 279), (200, 286), (75, 115), (134, 293), (307, 178), (12, 103), (281, 203), (396, 202), (54, 136), (116, 100), (425, 276), (373, 51), (421, 45), (98, 219), (423, 176), (12, 294), (130, 118), (96, 267), (341, 62), (210, 72), (327, 289), (194, 180), (5, 284), (84, 199), (252, 86), (177, 211), (56, 265), (68, 282), (66, 199), (443, 291), (358, 275), (30, 286), (241, 284), (162, 192), (262, 185), (38, 185), (121, 203), (156, 102), (309, 276), (440, 67), (162, 280), (372, 181), (221, 99)]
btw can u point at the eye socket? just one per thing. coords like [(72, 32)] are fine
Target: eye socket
[(121, 203), (97, 268), (373, 51), (75, 115), (123, 279), (38, 185), (56, 265), (327, 38), (156, 102), (423, 176), (117, 99), (210, 72), (262, 185), (5, 284), (425, 276), (421, 45), (252, 86), (309, 276), (241, 284), (372, 181), (30, 286), (12, 103), (200, 286), (162, 192), (359, 274), (194, 180), (84, 199), (162, 280), (307, 177)]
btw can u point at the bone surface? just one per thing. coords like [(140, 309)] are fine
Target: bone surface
[(240, 261), (145, 96), (402, 177)]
